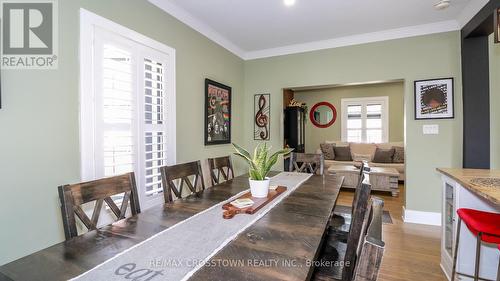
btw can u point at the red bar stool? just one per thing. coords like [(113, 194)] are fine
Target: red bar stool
[(485, 226)]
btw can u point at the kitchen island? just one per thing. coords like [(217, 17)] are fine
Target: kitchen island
[(475, 189)]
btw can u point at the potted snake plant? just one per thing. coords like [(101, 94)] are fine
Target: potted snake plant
[(259, 166)]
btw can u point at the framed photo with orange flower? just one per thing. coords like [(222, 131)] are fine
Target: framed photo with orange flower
[(434, 99), (217, 113)]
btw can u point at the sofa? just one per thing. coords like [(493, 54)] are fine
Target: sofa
[(367, 149)]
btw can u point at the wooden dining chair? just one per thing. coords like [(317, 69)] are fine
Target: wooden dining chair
[(220, 166), (73, 196), (342, 245), (364, 169), (372, 246), (181, 174), (307, 163), (341, 222), (355, 231), (368, 251)]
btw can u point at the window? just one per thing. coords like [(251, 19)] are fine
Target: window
[(365, 120), (127, 106)]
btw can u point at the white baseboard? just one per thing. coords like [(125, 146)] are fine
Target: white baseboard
[(430, 218)]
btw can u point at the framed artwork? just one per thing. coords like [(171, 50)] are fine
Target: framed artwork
[(262, 117), (434, 99), (217, 113)]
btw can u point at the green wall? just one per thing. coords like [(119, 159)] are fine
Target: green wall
[(39, 136), (315, 135), (494, 103), (423, 57)]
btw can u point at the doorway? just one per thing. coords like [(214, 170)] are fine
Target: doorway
[(364, 116)]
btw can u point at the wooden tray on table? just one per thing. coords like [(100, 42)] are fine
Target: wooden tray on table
[(230, 211)]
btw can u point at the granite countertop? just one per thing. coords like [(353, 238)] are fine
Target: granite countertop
[(484, 183)]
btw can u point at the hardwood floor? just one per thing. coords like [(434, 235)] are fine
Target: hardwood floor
[(412, 250)]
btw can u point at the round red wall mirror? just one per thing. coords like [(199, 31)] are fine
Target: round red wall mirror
[(323, 114)]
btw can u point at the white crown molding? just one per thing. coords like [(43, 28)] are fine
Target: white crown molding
[(197, 25), (470, 11), (390, 34), (404, 32)]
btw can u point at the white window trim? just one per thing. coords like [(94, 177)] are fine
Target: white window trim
[(88, 22), (385, 113)]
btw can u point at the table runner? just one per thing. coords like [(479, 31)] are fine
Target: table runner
[(178, 252)]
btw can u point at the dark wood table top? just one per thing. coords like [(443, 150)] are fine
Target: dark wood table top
[(290, 235)]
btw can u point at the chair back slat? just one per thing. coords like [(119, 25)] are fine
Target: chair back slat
[(358, 218), (91, 191), (84, 218), (97, 211), (123, 207), (180, 173), (221, 166), (73, 196), (363, 168), (307, 163), (372, 246), (181, 170)]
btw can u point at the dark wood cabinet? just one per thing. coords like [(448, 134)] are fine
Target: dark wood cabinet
[(294, 129)]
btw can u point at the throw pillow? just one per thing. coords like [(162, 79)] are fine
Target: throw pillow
[(399, 155), (361, 157), (383, 155), (327, 149), (342, 153)]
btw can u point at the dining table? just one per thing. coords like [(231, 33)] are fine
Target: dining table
[(281, 245)]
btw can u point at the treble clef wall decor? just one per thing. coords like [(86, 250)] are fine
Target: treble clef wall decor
[(262, 117)]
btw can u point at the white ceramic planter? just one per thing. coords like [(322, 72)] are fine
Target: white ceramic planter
[(259, 189)]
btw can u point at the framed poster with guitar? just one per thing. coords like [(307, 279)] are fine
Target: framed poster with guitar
[(217, 113), (262, 117)]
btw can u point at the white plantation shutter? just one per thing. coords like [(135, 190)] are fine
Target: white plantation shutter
[(117, 111), (365, 120), (374, 127), (354, 123), (154, 159), (128, 119), (155, 139)]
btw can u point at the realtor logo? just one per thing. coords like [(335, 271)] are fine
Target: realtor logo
[(29, 34)]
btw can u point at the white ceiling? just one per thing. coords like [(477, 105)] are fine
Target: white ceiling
[(262, 28)]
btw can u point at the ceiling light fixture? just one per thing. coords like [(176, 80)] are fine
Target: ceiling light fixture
[(289, 2), (442, 4)]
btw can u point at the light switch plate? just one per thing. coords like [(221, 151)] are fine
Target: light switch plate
[(430, 129)]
